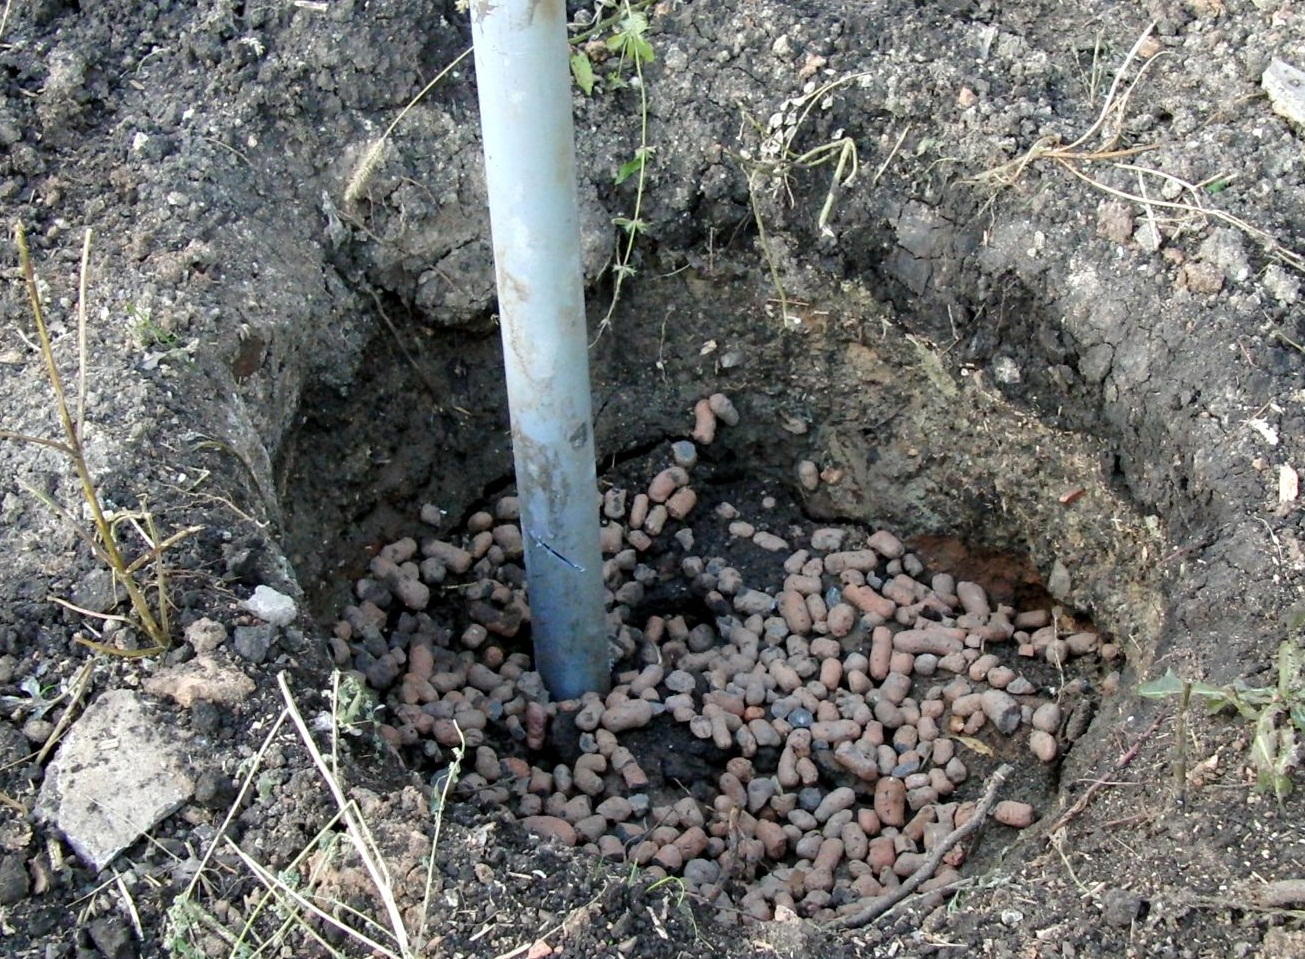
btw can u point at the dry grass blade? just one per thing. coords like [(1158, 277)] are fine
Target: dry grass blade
[(362, 173), (278, 887), (359, 835), (103, 543), (1073, 157)]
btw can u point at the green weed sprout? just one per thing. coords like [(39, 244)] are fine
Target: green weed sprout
[(1277, 712), (629, 42), (153, 618)]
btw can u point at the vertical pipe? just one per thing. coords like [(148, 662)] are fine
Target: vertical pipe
[(524, 85)]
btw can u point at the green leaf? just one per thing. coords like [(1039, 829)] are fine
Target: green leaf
[(1289, 669), (583, 71), (1171, 685), (629, 40), (1167, 685), (630, 167), (1273, 753), (630, 226)]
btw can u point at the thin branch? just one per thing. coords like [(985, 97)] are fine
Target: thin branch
[(882, 904)]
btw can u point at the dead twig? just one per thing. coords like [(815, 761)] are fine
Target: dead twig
[(1127, 757), (882, 904)]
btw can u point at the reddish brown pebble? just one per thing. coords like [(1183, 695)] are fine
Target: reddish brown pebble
[(629, 714), (773, 838), (691, 842), (882, 853), (881, 652), (886, 544), (551, 827), (870, 602), (667, 482), (793, 607), (1043, 745), (704, 425), (1010, 812), (890, 801), (863, 560), (681, 502), (974, 600), (940, 641)]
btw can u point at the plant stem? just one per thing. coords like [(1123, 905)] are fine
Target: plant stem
[(74, 440)]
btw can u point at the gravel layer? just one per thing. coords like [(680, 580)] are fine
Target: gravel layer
[(798, 748)]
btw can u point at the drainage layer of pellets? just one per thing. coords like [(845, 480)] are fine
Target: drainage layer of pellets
[(801, 742)]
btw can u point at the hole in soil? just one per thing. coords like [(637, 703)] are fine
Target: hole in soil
[(858, 606)]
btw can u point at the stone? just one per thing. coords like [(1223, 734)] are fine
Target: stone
[(551, 827), (272, 606), (1011, 812), (1002, 709), (202, 679), (112, 937), (254, 642), (628, 714), (1120, 907), (1043, 745), (118, 772), (205, 635), (14, 882)]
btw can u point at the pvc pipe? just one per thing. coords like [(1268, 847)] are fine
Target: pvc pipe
[(524, 84)]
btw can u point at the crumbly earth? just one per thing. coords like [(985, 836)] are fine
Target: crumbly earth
[(1028, 353)]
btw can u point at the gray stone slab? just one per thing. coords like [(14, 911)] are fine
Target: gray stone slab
[(117, 774)]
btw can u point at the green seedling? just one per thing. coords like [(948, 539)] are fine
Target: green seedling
[(628, 42), (103, 539), (1276, 712)]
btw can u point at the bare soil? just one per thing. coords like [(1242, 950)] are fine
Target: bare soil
[(1039, 381)]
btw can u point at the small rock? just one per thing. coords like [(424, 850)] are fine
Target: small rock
[(272, 606), (667, 482), (808, 475), (628, 714), (836, 800), (1043, 745), (205, 635), (201, 679), (112, 937), (1001, 709), (551, 827), (1120, 907), (1046, 718), (723, 407), (1011, 812), (254, 642), (14, 881), (890, 801), (754, 601), (684, 453), (704, 428), (38, 731)]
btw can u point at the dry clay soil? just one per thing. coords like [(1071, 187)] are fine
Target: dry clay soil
[(984, 348)]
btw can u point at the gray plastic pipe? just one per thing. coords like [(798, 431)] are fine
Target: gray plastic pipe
[(524, 84)]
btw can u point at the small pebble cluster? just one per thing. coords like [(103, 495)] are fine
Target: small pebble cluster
[(840, 708)]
